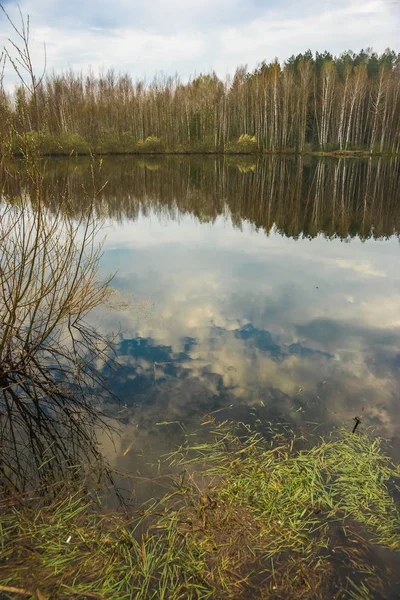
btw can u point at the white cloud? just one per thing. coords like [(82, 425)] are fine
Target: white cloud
[(349, 25), (143, 38), (365, 267)]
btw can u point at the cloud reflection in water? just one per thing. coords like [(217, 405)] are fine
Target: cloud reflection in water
[(308, 330)]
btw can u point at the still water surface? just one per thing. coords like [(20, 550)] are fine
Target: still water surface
[(268, 287)]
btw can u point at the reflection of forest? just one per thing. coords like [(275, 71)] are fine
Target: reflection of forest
[(339, 198)]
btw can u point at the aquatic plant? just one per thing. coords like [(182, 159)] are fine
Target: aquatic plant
[(248, 517)]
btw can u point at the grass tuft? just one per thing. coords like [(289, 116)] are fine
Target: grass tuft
[(249, 517)]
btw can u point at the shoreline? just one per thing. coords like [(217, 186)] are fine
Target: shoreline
[(317, 153)]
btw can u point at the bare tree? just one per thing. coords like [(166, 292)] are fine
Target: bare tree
[(48, 284)]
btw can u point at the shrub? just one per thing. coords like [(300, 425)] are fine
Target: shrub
[(26, 143), (151, 144), (308, 148), (246, 144), (108, 143), (67, 143)]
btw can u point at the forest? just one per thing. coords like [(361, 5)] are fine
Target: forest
[(310, 103)]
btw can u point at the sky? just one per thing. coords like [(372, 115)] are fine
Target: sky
[(189, 37)]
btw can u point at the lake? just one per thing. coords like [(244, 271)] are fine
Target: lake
[(269, 288), (262, 291)]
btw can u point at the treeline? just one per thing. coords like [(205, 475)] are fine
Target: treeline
[(293, 196), (310, 103)]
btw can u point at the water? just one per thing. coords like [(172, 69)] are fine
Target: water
[(268, 288)]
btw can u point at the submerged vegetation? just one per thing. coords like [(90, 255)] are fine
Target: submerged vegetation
[(249, 516)]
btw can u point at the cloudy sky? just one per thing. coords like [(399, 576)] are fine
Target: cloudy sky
[(193, 36)]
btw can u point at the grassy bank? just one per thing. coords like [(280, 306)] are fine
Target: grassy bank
[(33, 142), (249, 517), (351, 153)]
